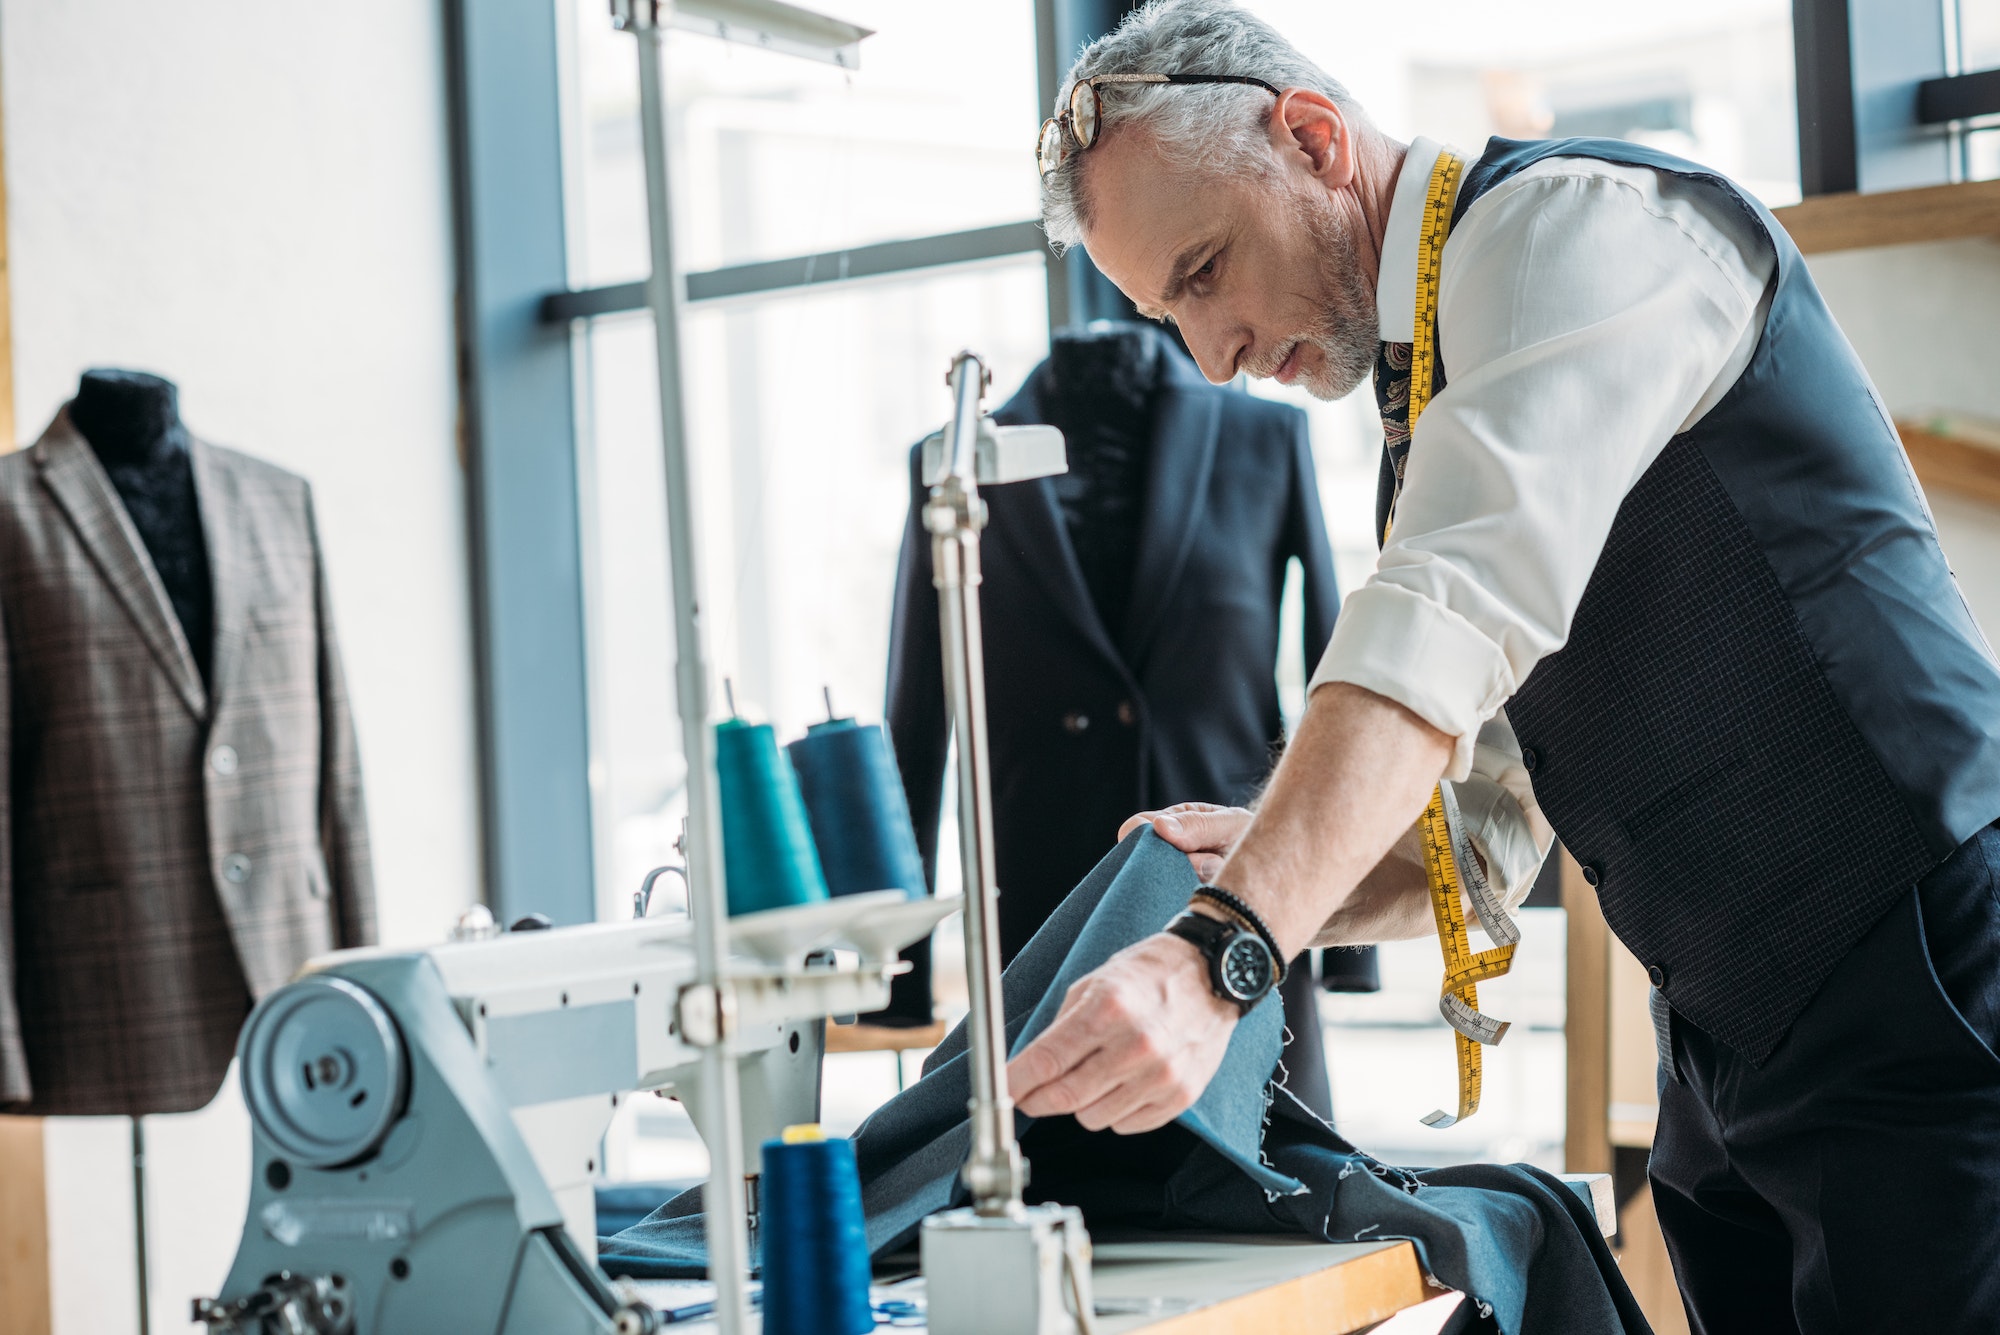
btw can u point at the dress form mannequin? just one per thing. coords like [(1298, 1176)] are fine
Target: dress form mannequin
[(133, 423)]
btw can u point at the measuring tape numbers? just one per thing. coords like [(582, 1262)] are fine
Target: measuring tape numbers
[(1452, 871)]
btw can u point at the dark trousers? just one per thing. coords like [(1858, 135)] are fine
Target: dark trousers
[(1304, 1058), (1852, 1183)]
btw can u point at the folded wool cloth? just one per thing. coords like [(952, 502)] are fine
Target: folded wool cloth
[(1247, 1158)]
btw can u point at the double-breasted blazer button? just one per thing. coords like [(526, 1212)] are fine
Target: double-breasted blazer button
[(1530, 758), (1127, 714), (236, 868), (1657, 975), (1591, 875), (223, 759), (1076, 722)]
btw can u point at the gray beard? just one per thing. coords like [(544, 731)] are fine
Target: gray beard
[(1348, 330)]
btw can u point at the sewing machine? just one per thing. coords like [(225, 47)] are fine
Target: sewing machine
[(426, 1124)]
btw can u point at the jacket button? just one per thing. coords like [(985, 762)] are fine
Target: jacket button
[(1591, 875), (236, 869), (223, 759), (1530, 758), (1076, 722), (1127, 715), (1657, 975), (316, 888)]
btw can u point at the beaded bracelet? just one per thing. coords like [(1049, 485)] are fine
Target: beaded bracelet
[(1233, 904)]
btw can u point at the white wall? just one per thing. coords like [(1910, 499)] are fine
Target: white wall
[(253, 200), (1923, 317)]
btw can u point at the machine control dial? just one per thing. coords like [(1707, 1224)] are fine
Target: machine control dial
[(324, 1071)]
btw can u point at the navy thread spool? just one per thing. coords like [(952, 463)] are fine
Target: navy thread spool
[(812, 1238), (860, 818), (767, 845)]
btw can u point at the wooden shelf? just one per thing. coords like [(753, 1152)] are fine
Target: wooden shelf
[(1894, 217), (882, 1037), (1955, 464)]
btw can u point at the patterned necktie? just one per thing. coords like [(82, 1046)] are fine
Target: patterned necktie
[(1392, 396)]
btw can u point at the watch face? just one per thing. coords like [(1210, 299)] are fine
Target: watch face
[(1246, 967)]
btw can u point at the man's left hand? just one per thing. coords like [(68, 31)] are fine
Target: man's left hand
[(1135, 1044)]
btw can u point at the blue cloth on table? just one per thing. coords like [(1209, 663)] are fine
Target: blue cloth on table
[(1247, 1158)]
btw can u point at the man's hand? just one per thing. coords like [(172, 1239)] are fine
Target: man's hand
[(1135, 1044), (1202, 830), (1138, 1040)]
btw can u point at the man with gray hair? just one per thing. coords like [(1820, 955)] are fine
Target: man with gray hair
[(1656, 574)]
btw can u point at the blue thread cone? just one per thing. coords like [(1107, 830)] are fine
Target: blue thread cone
[(767, 845), (813, 1240), (860, 818)]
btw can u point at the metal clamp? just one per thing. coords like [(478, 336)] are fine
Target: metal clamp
[(707, 1014), (286, 1304)]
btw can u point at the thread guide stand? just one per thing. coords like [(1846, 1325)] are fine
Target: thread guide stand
[(708, 1008), (997, 1265)]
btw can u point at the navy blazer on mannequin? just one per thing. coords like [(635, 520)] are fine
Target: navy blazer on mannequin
[(1090, 723)]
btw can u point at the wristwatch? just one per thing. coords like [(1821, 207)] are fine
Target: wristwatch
[(1241, 969)]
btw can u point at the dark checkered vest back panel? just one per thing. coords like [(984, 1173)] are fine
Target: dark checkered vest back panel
[(1774, 711)]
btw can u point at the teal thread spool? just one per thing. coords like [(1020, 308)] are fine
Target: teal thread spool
[(767, 844), (812, 1237), (860, 818)]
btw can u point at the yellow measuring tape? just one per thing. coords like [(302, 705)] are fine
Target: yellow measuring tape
[(1451, 868)]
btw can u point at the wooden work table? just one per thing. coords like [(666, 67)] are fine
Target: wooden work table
[(1253, 1286), (1234, 1285)]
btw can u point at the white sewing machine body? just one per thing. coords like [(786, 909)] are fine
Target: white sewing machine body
[(427, 1123)]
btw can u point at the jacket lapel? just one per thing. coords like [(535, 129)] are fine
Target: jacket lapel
[(1034, 521), (216, 495), (1177, 473), (83, 489), (1034, 524)]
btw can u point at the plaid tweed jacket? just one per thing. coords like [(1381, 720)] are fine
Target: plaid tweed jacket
[(167, 853)]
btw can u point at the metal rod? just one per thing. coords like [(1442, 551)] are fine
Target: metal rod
[(954, 516), (723, 1206), (139, 1225)]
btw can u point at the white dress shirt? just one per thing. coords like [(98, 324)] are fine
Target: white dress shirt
[(1587, 313)]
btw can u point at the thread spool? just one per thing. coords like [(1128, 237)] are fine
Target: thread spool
[(813, 1242), (767, 845), (860, 818)]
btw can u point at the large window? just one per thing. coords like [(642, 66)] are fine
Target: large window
[(804, 401)]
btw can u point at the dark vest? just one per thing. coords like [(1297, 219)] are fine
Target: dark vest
[(1774, 711)]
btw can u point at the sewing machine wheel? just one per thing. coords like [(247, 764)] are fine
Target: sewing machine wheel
[(323, 1071)]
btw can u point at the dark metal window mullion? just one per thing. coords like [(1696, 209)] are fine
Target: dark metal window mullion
[(886, 259), (516, 398)]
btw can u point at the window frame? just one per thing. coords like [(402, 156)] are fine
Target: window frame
[(522, 356)]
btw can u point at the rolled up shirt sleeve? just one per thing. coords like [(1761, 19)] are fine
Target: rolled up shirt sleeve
[(1503, 819), (1582, 324)]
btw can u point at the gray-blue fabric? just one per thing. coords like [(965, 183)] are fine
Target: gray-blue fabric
[(1257, 1161)]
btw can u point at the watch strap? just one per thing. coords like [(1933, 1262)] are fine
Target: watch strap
[(1211, 936), (1233, 903)]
